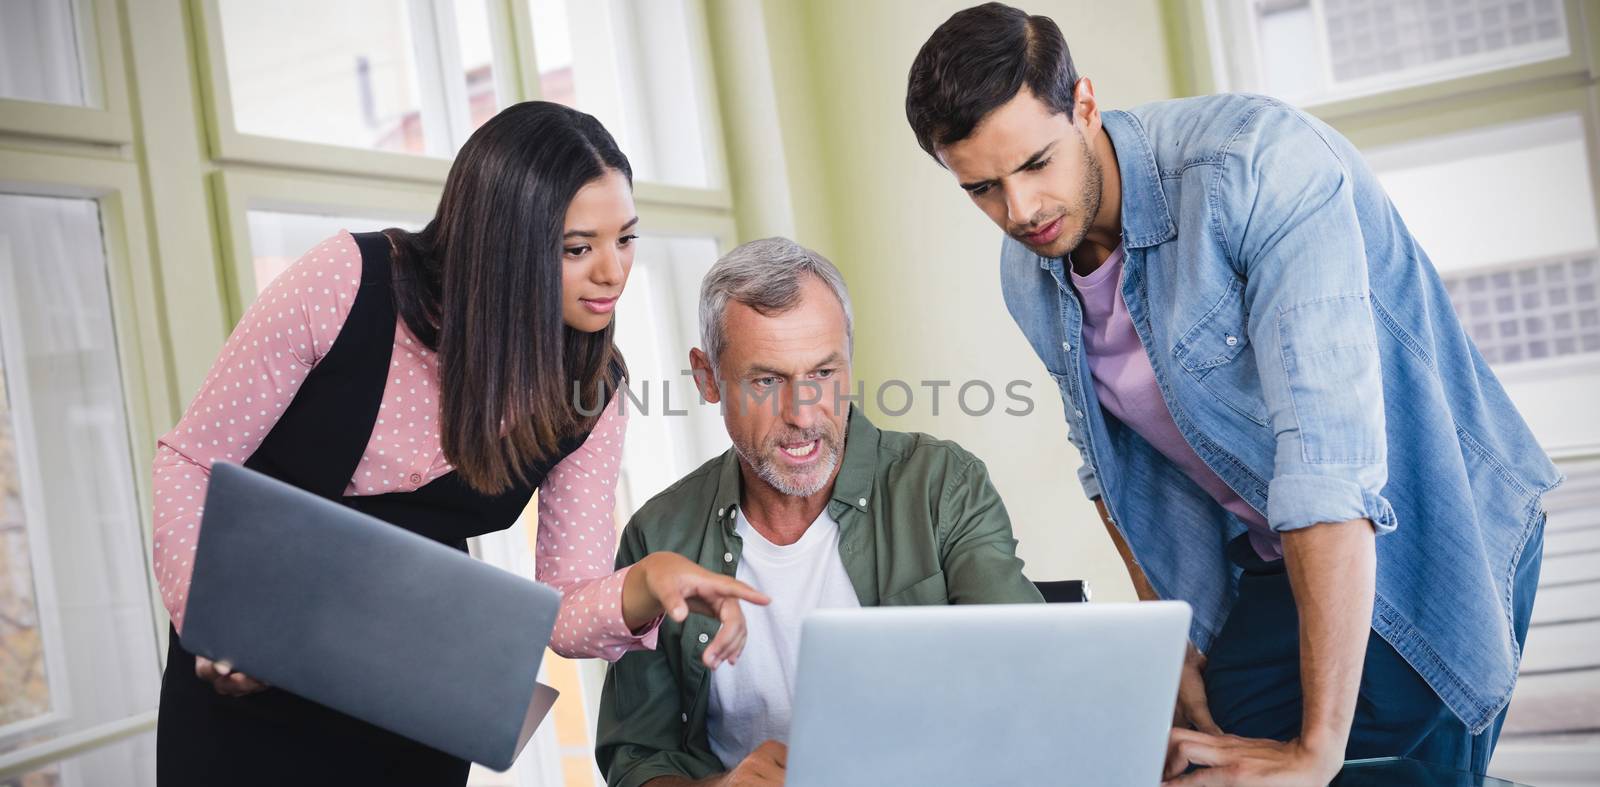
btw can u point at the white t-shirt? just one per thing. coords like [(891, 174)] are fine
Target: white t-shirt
[(751, 701)]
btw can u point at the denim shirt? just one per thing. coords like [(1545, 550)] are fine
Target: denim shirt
[(1308, 352)]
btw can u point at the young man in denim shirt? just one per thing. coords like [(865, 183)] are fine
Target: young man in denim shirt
[(1263, 374)]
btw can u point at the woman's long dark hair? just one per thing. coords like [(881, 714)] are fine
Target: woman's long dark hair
[(481, 285)]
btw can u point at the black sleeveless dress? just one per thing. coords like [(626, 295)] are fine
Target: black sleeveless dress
[(273, 737)]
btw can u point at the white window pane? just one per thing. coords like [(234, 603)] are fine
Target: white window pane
[(657, 323), (340, 73), (24, 672), (1390, 37), (73, 563), (476, 46), (1310, 51), (637, 66), (1286, 36), (1507, 215), (40, 52), (1524, 295), (1531, 176), (279, 238)]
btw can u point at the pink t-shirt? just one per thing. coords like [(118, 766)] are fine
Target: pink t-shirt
[(1126, 385), (285, 332)]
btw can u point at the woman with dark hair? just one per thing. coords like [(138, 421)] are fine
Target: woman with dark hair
[(435, 380)]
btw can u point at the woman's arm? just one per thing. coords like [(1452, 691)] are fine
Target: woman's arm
[(576, 545), (607, 613), (283, 334)]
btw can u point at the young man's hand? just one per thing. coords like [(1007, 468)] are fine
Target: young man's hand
[(1246, 762), (1192, 710)]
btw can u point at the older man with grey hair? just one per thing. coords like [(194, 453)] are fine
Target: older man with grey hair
[(813, 505)]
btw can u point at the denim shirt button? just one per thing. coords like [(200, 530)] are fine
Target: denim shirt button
[(1232, 340), (1067, 346), (1078, 413)]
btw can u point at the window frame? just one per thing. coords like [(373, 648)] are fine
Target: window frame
[(236, 193), (1554, 367), (100, 55), (716, 196), (1212, 35), (516, 79), (41, 568), (145, 368), (230, 145)]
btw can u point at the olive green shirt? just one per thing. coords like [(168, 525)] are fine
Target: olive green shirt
[(919, 523)]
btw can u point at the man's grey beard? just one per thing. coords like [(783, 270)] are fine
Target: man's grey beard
[(768, 470)]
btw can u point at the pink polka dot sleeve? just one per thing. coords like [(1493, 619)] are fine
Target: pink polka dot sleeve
[(283, 334), (577, 546)]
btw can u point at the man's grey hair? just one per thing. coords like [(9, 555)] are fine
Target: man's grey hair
[(765, 275)]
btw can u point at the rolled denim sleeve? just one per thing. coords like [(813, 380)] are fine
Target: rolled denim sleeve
[(1294, 236)]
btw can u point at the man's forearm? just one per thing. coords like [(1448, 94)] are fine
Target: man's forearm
[(1331, 570), (1141, 585)]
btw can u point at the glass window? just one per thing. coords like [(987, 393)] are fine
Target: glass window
[(389, 75), (279, 238), (669, 431), (1523, 295), (24, 671), (1310, 51), (1551, 310), (476, 47), (636, 66), (43, 44), (77, 648)]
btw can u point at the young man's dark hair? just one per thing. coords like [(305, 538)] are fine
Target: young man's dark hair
[(976, 61)]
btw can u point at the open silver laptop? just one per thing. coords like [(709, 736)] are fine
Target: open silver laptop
[(993, 695), (369, 619)]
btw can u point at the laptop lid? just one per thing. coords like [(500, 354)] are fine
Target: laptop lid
[(367, 618), (986, 694)]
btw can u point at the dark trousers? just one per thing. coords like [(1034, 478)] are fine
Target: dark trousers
[(276, 739), (1253, 674)]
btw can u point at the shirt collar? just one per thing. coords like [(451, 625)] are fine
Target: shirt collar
[(1146, 221)]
